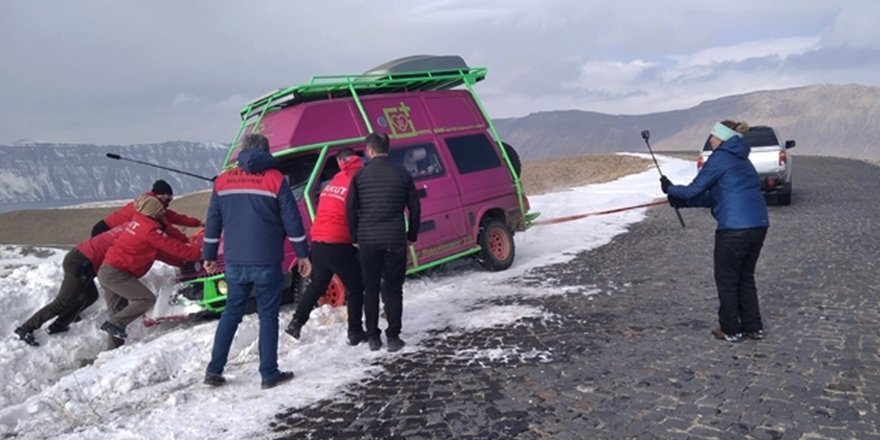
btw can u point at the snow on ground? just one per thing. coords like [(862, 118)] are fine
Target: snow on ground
[(151, 388)]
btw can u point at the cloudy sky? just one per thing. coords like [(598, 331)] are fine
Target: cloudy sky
[(110, 71)]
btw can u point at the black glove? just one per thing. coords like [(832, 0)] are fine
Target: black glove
[(676, 202), (665, 183)]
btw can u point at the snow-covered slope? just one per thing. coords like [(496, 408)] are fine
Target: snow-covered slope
[(151, 388), (39, 172)]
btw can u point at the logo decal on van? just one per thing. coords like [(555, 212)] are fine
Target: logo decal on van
[(399, 120)]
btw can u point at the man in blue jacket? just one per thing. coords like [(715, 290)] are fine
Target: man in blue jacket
[(728, 183), (253, 206)]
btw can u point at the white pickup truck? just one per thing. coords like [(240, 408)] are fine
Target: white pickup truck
[(770, 158)]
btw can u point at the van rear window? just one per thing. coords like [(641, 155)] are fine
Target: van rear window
[(473, 153)]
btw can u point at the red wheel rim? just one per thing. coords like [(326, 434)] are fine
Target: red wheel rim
[(335, 294), (499, 244)]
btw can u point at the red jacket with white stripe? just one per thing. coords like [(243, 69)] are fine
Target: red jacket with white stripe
[(253, 206), (331, 225), (139, 243), (124, 214)]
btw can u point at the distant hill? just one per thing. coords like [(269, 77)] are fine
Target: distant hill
[(40, 171), (828, 120)]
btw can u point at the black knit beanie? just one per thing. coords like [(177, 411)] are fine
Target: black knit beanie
[(162, 187)]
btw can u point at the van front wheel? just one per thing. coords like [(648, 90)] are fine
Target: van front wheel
[(498, 248)]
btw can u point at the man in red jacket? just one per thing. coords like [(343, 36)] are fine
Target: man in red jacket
[(333, 253), (128, 259), (77, 291), (161, 191)]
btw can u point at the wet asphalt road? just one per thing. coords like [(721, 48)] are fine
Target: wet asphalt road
[(636, 359)]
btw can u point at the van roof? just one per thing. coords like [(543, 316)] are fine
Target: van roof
[(383, 79)]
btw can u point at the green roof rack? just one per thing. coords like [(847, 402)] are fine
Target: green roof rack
[(343, 86)]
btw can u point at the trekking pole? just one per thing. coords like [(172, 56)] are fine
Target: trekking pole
[(647, 135), (118, 157)]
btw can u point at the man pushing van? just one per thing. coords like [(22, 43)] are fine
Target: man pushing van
[(333, 252)]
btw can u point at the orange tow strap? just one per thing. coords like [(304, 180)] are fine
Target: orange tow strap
[(553, 221)]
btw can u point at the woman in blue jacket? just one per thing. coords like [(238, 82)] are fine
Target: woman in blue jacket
[(728, 184)]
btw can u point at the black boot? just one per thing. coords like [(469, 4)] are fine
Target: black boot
[(114, 331), (395, 343), (355, 337), (283, 376), (27, 337), (294, 329), (57, 327)]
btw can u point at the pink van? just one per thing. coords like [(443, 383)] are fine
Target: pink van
[(472, 198)]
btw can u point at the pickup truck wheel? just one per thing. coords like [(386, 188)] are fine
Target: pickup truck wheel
[(498, 248), (335, 293), (784, 199)]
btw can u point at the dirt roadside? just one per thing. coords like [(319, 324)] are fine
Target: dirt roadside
[(66, 227)]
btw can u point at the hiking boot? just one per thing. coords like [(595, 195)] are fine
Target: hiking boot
[(355, 337), (294, 329), (214, 380), (55, 328), (283, 376), (756, 335), (395, 344), (375, 343), (27, 337), (732, 338), (113, 330)]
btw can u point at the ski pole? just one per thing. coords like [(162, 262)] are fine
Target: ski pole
[(118, 157), (647, 135)]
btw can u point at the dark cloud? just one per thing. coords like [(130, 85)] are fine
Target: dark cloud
[(831, 58)]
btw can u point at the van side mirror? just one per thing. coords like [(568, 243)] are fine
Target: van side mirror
[(790, 144)]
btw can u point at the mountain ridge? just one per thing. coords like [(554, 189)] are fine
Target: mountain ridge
[(825, 119), (40, 172)]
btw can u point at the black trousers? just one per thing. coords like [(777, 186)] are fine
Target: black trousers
[(736, 255), (388, 264), (77, 292), (329, 259)]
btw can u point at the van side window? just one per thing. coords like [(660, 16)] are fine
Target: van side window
[(297, 172), (420, 160), (473, 153)]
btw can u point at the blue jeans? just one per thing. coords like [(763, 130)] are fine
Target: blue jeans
[(267, 282)]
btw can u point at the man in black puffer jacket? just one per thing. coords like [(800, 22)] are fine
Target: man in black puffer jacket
[(375, 209)]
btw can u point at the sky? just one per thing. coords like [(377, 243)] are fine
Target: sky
[(118, 72), (69, 388)]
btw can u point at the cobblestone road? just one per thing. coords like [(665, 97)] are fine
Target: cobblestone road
[(636, 360)]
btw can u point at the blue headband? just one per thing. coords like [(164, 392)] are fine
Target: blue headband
[(722, 132)]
